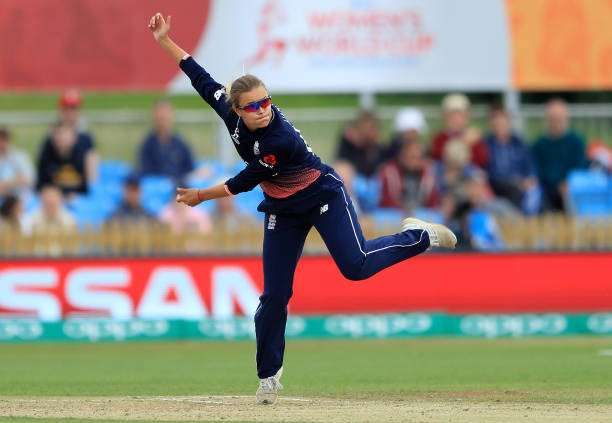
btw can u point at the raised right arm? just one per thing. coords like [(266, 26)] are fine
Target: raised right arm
[(210, 90)]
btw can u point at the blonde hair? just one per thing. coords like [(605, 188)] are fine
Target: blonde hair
[(240, 86)]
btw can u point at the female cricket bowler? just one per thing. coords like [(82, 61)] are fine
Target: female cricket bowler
[(300, 192)]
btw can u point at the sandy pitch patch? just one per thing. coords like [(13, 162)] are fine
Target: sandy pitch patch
[(287, 409)]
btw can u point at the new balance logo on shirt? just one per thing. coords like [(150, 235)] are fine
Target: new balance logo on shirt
[(272, 222)]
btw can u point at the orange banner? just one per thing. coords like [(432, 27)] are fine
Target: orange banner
[(561, 44)]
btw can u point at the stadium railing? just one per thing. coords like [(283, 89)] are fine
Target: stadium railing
[(146, 238)]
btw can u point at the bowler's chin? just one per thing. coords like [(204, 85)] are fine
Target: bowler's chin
[(263, 123)]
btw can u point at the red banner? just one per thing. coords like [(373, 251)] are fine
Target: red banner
[(92, 44), (222, 287)]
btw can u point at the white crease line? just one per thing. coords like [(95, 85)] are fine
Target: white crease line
[(219, 399)]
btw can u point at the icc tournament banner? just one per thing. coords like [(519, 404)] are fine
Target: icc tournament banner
[(222, 288), (295, 46), (312, 46), (364, 45)]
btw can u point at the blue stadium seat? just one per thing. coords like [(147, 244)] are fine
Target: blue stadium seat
[(89, 210), (207, 173), (108, 190), (113, 170), (429, 215), (367, 192), (589, 193), (156, 192), (484, 232), (388, 217), (32, 203), (247, 202)]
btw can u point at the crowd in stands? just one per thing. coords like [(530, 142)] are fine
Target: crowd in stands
[(463, 175)]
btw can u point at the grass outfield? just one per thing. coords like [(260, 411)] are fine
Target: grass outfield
[(171, 381)]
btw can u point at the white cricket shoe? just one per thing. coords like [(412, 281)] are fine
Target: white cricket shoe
[(268, 388), (439, 235)]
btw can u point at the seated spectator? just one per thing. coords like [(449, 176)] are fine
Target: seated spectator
[(16, 169), (63, 161), (360, 144), (556, 153), (164, 152), (131, 208), (482, 207), (454, 171), (408, 181), (11, 214), (410, 125), (510, 169), (183, 219), (51, 217), (456, 115), (479, 196), (69, 109)]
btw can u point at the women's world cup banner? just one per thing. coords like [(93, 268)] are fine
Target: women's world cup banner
[(221, 288), (312, 46)]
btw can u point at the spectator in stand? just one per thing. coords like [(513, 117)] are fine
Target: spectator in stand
[(52, 217), (16, 169), (510, 168), (556, 153), (183, 219), (69, 108), (480, 212), (409, 125), (63, 161), (163, 151), (360, 144), (11, 214), (456, 114), (453, 172), (131, 209), (408, 179)]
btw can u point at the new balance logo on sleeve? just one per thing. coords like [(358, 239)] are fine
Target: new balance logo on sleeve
[(219, 93)]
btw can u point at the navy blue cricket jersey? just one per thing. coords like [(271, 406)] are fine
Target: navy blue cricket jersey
[(277, 157)]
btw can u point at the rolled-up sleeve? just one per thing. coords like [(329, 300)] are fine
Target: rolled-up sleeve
[(256, 172)]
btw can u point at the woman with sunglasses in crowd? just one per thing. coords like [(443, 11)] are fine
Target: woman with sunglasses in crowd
[(300, 192)]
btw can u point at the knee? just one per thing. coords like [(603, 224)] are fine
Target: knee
[(352, 272)]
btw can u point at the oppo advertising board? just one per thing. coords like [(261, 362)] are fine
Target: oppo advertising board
[(357, 45), (196, 289)]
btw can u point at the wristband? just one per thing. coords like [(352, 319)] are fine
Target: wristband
[(198, 194)]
